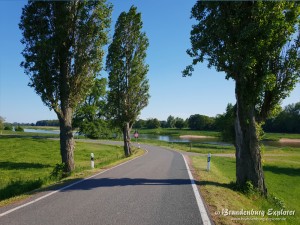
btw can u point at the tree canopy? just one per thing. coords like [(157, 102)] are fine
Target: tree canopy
[(127, 69), (62, 55), (90, 115), (256, 43), (287, 121)]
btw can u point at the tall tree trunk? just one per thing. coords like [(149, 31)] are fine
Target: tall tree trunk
[(126, 137), (248, 155), (67, 140)]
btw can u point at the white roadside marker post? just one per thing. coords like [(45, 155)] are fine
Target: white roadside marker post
[(208, 161), (92, 161)]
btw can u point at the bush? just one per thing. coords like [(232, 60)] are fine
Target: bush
[(8, 127), (20, 129), (59, 172)]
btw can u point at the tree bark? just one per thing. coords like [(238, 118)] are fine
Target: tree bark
[(126, 137), (248, 155), (67, 141)]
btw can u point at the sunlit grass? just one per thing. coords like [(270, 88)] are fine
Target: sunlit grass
[(27, 162), (282, 173)]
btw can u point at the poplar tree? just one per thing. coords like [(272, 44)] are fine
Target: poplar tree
[(63, 52), (256, 43), (128, 85)]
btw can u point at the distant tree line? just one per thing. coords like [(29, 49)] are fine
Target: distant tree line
[(12, 126), (287, 121), (194, 122), (48, 123)]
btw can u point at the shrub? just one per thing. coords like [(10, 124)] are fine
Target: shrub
[(20, 129), (8, 127), (59, 172)]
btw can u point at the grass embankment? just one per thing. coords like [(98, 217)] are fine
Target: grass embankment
[(27, 162), (282, 171)]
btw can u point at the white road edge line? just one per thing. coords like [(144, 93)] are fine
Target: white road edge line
[(66, 187), (203, 212)]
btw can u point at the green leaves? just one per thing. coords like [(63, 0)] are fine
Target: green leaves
[(254, 43), (63, 48), (125, 63), (90, 115), (63, 54)]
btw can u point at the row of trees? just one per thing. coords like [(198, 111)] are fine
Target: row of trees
[(194, 122), (287, 121), (153, 123), (50, 123), (63, 57)]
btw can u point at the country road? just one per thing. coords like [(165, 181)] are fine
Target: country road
[(152, 189)]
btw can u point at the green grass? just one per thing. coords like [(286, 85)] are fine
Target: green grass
[(277, 136), (178, 132), (192, 147), (42, 127), (27, 134), (282, 173), (27, 162)]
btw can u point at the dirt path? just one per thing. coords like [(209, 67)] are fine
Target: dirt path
[(289, 140)]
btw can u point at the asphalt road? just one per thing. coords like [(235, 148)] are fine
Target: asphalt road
[(153, 189)]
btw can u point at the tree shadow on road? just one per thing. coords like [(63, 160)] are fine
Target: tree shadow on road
[(122, 182)]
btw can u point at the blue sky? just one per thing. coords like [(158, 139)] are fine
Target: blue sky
[(167, 24)]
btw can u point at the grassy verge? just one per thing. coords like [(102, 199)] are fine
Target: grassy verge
[(282, 173), (27, 162)]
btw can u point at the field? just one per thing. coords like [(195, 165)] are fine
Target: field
[(26, 162), (277, 136), (282, 171), (185, 131), (178, 132)]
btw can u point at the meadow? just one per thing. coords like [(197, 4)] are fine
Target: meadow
[(27, 162), (178, 132), (185, 131), (282, 173)]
